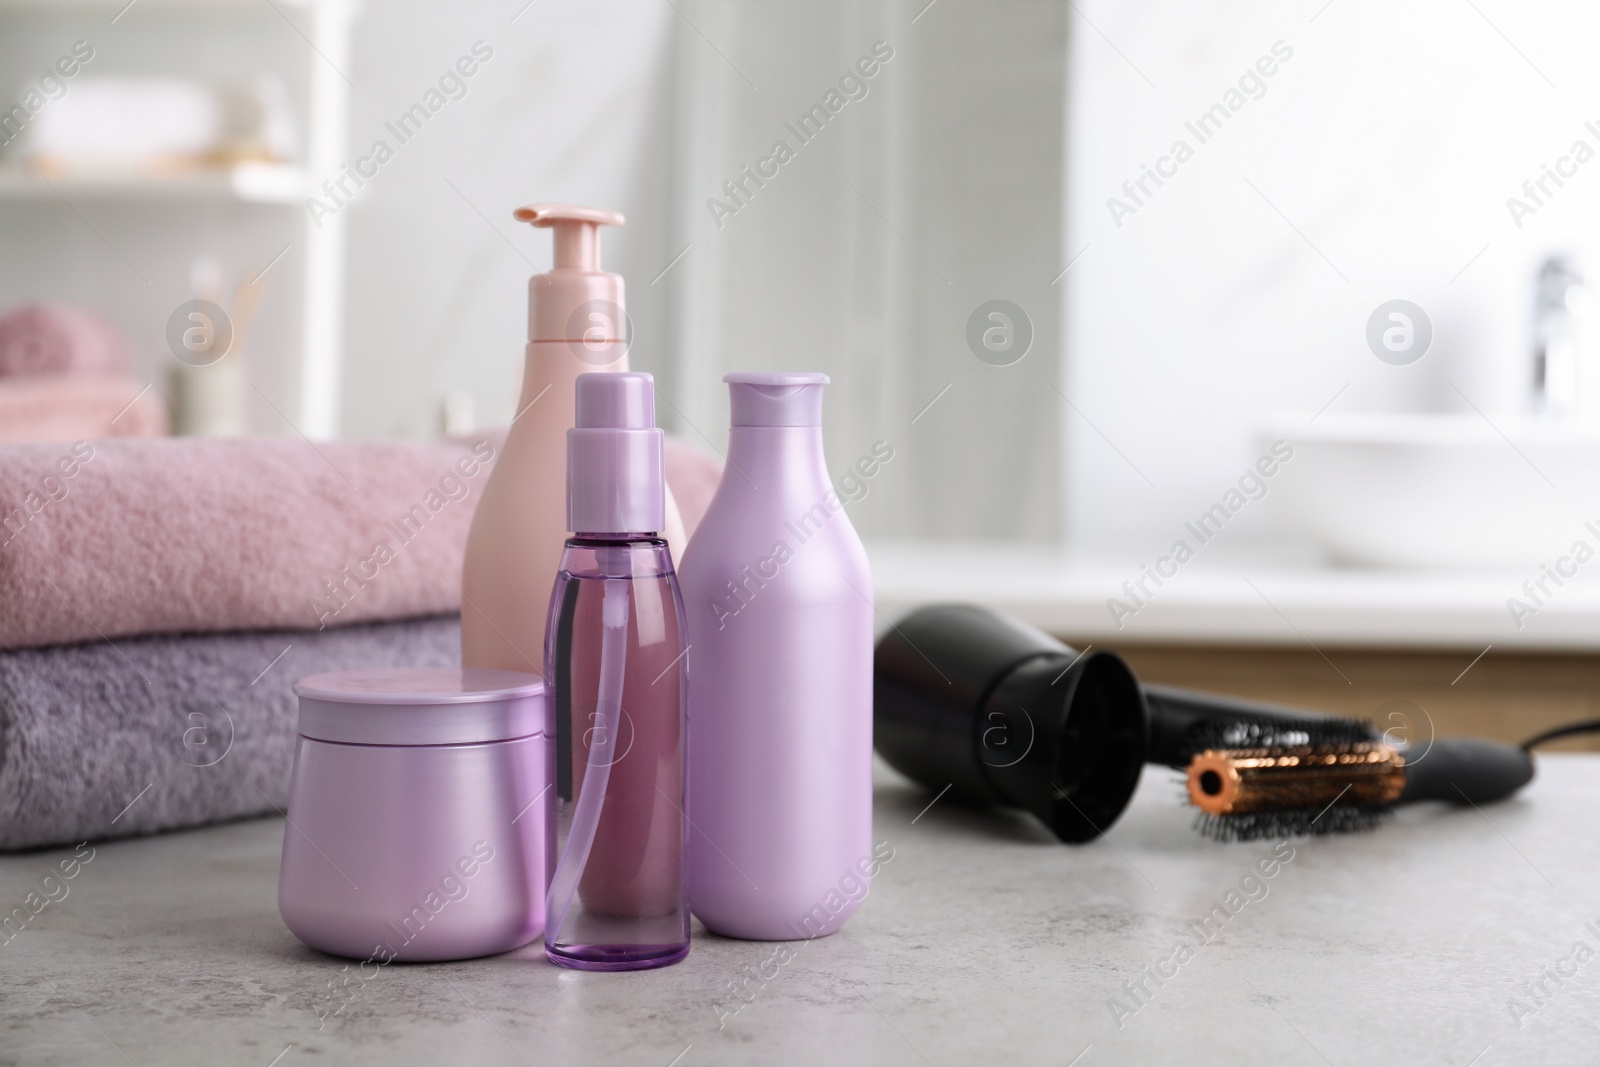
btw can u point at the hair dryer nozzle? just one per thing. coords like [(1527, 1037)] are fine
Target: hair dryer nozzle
[(1003, 713)]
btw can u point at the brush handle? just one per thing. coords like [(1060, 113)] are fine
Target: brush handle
[(1174, 712), (1465, 770)]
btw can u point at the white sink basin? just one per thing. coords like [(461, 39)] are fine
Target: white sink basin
[(1440, 490)]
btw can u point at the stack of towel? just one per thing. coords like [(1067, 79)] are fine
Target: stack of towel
[(158, 599), (64, 377)]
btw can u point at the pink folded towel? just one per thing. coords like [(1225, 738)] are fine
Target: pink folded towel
[(171, 535), (59, 339), (693, 476), (78, 407)]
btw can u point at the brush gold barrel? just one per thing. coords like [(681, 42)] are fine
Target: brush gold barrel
[(1242, 781)]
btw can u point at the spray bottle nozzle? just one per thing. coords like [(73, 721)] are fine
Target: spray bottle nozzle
[(577, 231)]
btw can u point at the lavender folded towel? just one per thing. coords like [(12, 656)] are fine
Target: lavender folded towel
[(107, 739)]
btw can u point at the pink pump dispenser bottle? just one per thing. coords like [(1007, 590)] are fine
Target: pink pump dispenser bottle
[(615, 658), (778, 598), (576, 325)]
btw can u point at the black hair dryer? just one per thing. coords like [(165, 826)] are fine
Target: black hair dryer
[(1003, 713)]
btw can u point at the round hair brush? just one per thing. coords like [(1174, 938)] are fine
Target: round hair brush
[(1249, 793), (1257, 770)]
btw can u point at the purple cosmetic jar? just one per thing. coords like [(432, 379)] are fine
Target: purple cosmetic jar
[(416, 814)]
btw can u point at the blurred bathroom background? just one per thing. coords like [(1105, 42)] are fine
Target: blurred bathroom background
[(1068, 364)]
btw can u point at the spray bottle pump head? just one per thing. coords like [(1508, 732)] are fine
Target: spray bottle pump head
[(615, 475), (575, 301)]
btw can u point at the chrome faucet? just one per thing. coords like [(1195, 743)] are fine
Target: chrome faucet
[(1559, 296)]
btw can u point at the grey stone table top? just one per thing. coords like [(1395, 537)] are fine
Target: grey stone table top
[(1450, 936)]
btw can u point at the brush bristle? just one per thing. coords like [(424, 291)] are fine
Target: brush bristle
[(1268, 732), (1290, 822)]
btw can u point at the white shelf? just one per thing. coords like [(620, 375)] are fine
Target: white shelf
[(251, 183), (1240, 601)]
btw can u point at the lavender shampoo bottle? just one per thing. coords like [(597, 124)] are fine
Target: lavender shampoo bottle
[(614, 667), (778, 598)]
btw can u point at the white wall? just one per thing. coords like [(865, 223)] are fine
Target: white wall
[(937, 191), (648, 108), (1390, 140), (574, 105)]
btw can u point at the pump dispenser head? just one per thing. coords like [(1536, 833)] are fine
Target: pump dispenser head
[(615, 477), (575, 301)]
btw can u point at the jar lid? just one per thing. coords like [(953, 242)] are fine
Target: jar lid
[(420, 706)]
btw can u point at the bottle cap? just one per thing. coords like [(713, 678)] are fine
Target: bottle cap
[(575, 301), (615, 477), (420, 706), (782, 399)]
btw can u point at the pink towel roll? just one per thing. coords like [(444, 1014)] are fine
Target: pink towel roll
[(38, 339), (172, 535), (79, 407)]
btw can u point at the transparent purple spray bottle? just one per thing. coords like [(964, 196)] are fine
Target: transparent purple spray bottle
[(614, 665)]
